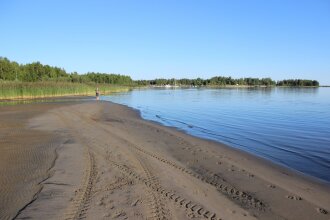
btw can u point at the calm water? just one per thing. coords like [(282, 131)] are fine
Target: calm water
[(286, 125)]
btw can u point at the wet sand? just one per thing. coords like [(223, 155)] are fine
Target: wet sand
[(99, 160)]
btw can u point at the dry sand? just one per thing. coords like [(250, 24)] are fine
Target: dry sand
[(98, 160)]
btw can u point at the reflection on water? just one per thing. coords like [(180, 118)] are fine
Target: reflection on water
[(290, 126)]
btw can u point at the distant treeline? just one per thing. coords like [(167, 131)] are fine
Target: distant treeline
[(228, 81), (297, 82), (214, 81), (36, 72)]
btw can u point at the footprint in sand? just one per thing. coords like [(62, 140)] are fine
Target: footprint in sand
[(119, 213), (298, 198), (191, 215), (322, 211)]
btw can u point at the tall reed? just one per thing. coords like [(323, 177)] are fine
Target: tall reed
[(28, 90)]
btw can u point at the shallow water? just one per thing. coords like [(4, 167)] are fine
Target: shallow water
[(290, 126)]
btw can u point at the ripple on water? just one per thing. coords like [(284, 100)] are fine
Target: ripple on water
[(289, 126)]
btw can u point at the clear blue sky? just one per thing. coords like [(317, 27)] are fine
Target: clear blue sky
[(171, 38)]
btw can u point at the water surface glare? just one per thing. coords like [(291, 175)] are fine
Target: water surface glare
[(290, 126)]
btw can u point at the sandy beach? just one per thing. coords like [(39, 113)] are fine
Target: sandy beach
[(100, 160)]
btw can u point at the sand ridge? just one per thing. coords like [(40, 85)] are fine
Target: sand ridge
[(114, 165)]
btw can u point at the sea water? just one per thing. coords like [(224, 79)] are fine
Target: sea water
[(289, 126)]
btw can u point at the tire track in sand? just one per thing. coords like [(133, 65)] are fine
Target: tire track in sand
[(241, 197), (81, 201), (183, 203), (214, 180), (78, 207), (156, 205), (179, 200)]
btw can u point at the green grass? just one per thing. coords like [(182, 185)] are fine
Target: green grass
[(30, 90)]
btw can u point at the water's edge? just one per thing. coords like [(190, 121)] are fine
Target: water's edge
[(264, 160)]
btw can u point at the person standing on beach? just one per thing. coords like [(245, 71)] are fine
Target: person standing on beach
[(97, 93)]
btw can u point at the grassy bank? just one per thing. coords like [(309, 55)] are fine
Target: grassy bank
[(29, 90)]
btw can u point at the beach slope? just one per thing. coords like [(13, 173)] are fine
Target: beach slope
[(99, 160)]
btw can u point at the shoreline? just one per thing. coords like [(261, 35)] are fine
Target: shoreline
[(260, 160), (257, 157), (127, 88), (111, 138)]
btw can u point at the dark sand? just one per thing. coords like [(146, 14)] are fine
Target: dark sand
[(98, 160)]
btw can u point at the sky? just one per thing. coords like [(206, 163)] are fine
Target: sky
[(280, 39)]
